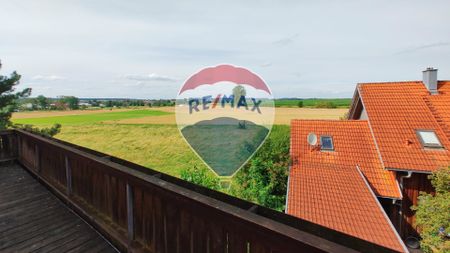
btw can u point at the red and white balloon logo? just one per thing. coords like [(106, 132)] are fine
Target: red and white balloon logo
[(225, 113)]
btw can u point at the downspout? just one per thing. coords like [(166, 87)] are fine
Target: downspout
[(400, 213), (287, 191)]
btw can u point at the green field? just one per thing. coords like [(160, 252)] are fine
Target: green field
[(90, 118), (313, 102), (159, 147)]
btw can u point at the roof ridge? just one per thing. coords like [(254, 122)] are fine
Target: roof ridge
[(329, 120), (392, 82)]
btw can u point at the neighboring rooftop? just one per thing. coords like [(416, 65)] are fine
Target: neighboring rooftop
[(396, 112), (392, 126), (326, 187), (353, 146), (341, 199)]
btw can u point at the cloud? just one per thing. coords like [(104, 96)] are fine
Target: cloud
[(427, 46), (47, 78), (150, 77), (286, 41)]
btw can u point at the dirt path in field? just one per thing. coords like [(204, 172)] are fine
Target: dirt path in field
[(283, 116), (42, 114)]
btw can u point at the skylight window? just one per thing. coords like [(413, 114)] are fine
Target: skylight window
[(429, 139), (326, 143)]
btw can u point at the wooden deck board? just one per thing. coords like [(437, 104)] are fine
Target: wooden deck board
[(32, 219)]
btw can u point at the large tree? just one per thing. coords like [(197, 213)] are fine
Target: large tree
[(71, 102), (433, 214), (9, 97)]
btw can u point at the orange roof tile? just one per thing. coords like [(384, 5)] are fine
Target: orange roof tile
[(338, 197), (395, 111), (353, 146)]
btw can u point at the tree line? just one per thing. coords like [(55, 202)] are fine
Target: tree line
[(74, 103)]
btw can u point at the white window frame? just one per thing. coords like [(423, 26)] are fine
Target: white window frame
[(332, 143), (428, 144)]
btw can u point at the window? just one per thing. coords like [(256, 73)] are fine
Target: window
[(326, 143), (429, 139)]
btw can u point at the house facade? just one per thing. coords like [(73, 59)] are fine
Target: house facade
[(361, 175)]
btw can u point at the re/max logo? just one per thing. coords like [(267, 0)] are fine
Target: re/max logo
[(208, 103)]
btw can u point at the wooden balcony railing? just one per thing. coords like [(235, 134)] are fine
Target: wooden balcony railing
[(142, 210)]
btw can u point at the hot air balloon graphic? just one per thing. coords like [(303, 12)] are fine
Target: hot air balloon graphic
[(225, 113)]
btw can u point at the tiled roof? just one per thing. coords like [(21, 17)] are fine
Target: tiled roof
[(353, 146), (338, 197), (396, 110)]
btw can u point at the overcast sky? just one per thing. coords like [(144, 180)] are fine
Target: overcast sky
[(146, 49)]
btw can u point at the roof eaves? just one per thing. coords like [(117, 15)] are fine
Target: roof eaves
[(408, 170)]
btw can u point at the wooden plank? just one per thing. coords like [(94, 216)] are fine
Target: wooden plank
[(68, 175), (130, 214), (96, 245), (37, 158), (32, 219), (25, 221), (15, 241)]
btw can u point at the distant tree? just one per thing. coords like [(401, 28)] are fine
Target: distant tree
[(8, 97), (201, 177), (94, 102), (433, 214), (60, 104), (41, 102), (71, 102), (238, 91), (300, 104)]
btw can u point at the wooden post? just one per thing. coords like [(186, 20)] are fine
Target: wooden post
[(68, 176), (130, 218), (37, 158), (19, 147)]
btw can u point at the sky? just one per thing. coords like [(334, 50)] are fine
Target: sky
[(147, 49)]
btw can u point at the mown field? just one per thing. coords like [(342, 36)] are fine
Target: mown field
[(148, 137), (314, 102)]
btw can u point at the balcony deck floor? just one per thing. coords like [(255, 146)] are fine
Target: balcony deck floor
[(32, 219)]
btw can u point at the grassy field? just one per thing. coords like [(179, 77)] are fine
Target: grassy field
[(159, 147), (90, 118), (313, 102), (148, 137)]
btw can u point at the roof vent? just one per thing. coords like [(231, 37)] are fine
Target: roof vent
[(430, 80)]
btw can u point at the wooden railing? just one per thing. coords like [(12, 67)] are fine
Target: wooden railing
[(139, 209)]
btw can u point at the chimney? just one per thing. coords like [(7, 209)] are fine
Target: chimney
[(430, 80)]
